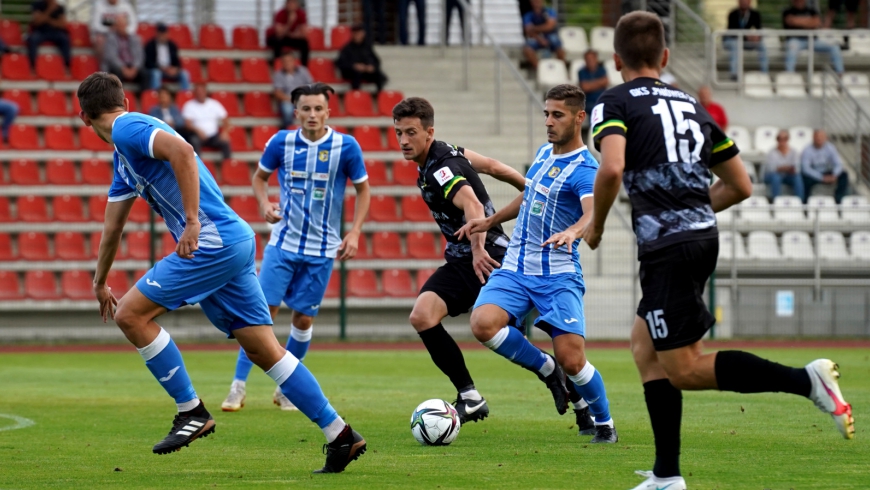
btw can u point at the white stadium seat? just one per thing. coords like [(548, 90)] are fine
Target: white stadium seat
[(765, 138), (756, 209), (832, 246), (601, 40), (757, 84), (859, 42), (857, 84), (576, 66), (762, 245), (859, 243), (800, 137), (827, 209), (831, 37), (790, 85), (724, 218), (797, 245), (856, 210), (613, 75), (788, 209), (740, 136), (728, 246), (772, 43), (824, 82), (551, 72), (573, 40)]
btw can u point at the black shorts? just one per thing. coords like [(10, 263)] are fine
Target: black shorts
[(851, 5), (456, 284), (672, 280)]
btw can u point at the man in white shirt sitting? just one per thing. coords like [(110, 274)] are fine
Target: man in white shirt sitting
[(207, 119), (782, 166)]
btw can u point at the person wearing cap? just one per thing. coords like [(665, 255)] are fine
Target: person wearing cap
[(289, 30), (358, 62), (162, 61)]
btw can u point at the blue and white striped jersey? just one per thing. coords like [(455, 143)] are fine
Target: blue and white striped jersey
[(555, 184), (138, 173), (312, 176)]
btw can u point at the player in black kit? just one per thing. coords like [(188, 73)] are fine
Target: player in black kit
[(662, 144), (453, 191)]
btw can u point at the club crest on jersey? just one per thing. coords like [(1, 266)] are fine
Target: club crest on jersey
[(537, 208), (323, 155), (554, 172)]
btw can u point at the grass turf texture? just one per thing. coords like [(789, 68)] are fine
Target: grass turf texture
[(98, 412)]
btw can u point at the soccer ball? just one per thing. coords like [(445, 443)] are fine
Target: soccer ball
[(435, 423)]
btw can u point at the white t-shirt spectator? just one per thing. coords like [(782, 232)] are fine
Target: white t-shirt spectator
[(205, 116), (103, 10)]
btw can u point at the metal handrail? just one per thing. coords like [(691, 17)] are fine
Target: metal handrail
[(859, 113)]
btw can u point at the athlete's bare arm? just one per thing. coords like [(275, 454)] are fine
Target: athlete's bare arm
[(481, 225), (467, 201), (607, 182), (495, 169), (572, 233), (350, 244), (271, 211), (113, 226), (733, 185)]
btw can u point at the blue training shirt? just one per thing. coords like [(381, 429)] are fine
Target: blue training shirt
[(555, 184), (138, 173), (312, 176)]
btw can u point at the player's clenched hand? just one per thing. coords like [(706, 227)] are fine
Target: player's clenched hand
[(349, 246), (479, 225), (107, 300), (566, 238), (483, 265), (189, 241), (591, 235), (271, 211)]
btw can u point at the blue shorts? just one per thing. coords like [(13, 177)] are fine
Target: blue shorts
[(558, 298), (299, 280), (552, 38), (222, 280)]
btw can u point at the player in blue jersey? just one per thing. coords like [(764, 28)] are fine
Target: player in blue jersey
[(213, 265), (313, 164), (542, 266)]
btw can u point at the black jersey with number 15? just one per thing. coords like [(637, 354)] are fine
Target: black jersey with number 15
[(671, 143)]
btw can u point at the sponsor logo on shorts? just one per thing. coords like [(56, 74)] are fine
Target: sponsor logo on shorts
[(571, 320), (152, 283), (314, 307)]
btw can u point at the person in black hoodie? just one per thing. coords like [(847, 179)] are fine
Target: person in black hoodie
[(358, 62), (162, 62)]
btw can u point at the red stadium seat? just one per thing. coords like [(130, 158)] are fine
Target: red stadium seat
[(322, 70), (421, 245), (83, 65), (22, 137), (260, 135), (349, 204), (24, 172), (229, 101), (97, 207), (259, 104), (6, 251), (383, 208), (146, 31), (118, 282), (246, 207), (338, 129), (89, 140), (255, 70), (5, 212), (14, 66), (363, 252), (333, 287), (10, 287), (414, 208), (181, 97), (238, 139), (139, 245), (392, 140), (362, 283), (315, 39), (52, 103), (388, 99), (167, 244), (405, 172), (34, 246), (246, 37), (22, 98), (132, 100), (397, 284), (213, 171), (180, 33), (194, 68), (377, 173), (79, 35), (369, 138), (212, 36), (96, 172), (69, 209), (139, 274), (141, 212), (222, 70), (60, 172), (69, 245), (50, 67), (10, 33), (387, 245), (148, 100), (76, 107), (423, 275), (59, 137), (235, 172), (77, 285), (340, 36), (335, 107), (358, 104), (40, 285)]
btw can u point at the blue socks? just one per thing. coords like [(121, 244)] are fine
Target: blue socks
[(243, 366), (298, 342), (511, 344), (590, 386), (164, 361)]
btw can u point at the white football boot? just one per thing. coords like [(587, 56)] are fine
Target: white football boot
[(279, 399), (236, 399), (826, 395), (653, 482)]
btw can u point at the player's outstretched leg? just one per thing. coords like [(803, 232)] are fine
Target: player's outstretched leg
[(585, 421), (235, 400)]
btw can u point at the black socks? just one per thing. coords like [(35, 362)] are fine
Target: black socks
[(747, 373), (447, 356), (665, 406)]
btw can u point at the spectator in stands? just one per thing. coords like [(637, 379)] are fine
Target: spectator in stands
[(288, 78), (782, 166), (449, 6), (821, 164), (207, 121), (593, 79), (834, 9), (420, 6), (799, 16), (123, 55), (162, 61), (168, 112), (744, 18), (289, 31), (8, 111), (358, 62), (103, 18), (48, 25), (373, 8), (716, 111), (542, 32)]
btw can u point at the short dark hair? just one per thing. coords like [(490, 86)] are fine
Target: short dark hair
[(165, 88), (573, 96), (415, 107), (317, 88), (100, 93), (639, 40)]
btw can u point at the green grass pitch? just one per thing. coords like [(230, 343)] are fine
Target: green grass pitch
[(98, 414)]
